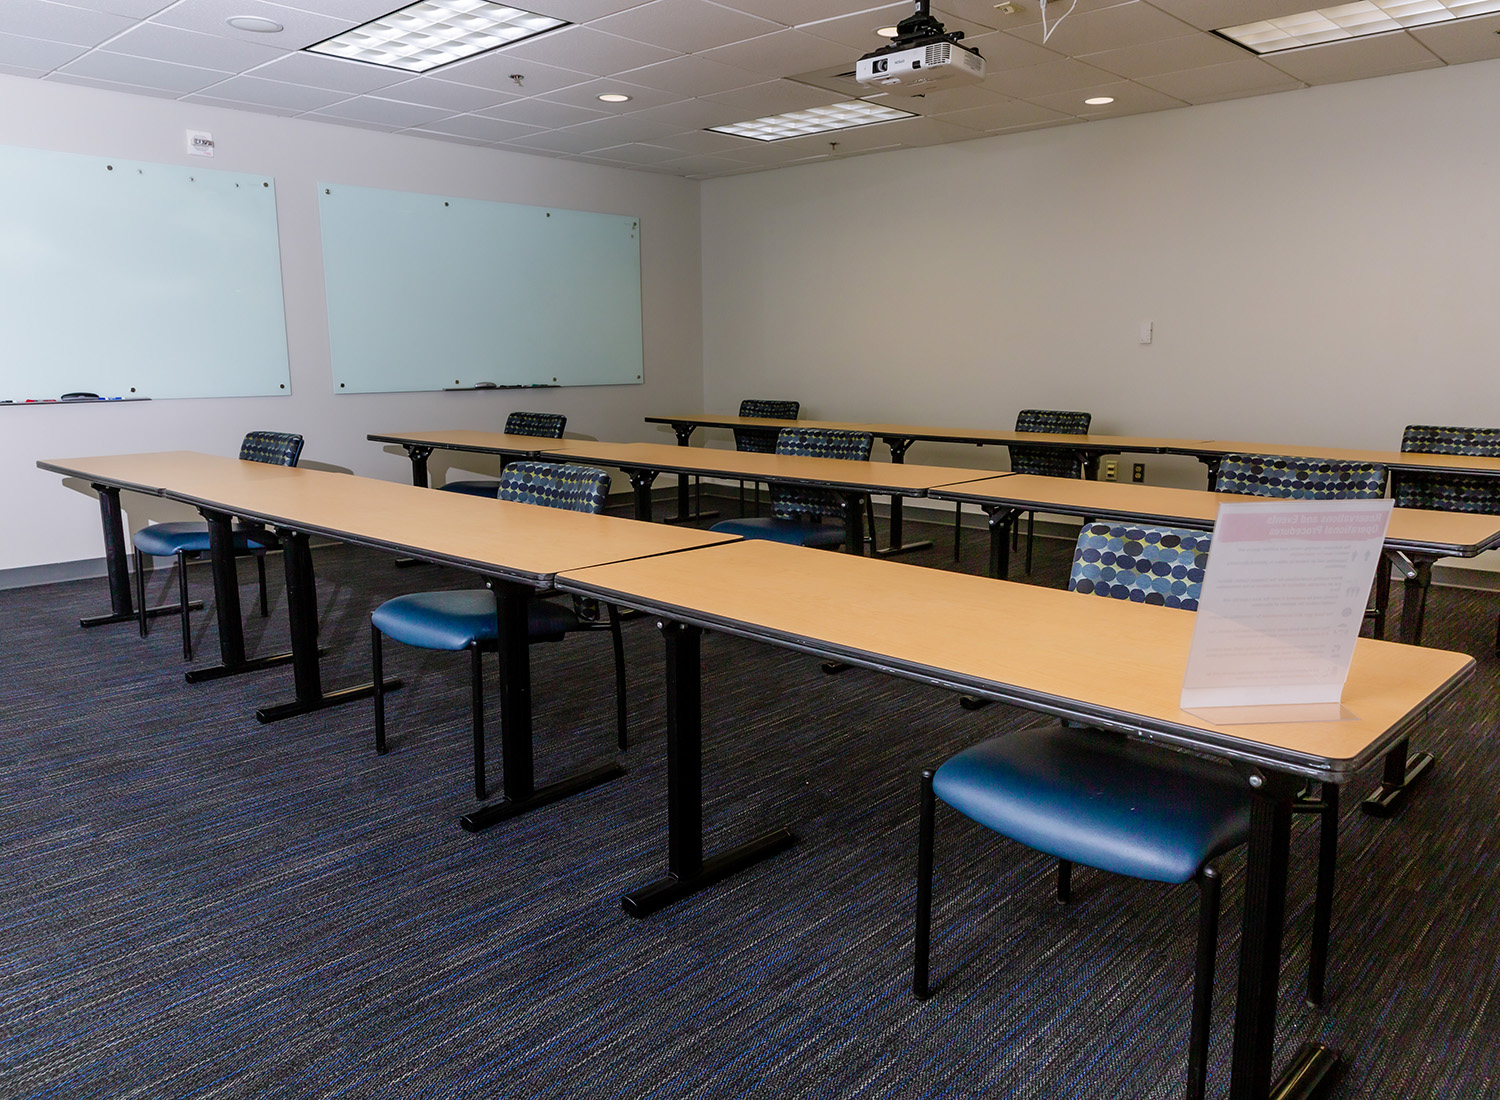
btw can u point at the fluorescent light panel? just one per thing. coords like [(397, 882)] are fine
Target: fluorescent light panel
[(425, 35), (815, 120), (1345, 21)]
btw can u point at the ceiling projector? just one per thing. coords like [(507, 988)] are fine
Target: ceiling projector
[(921, 58)]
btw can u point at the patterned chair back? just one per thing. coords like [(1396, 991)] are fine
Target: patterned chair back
[(546, 425), (555, 485), (763, 440), (1049, 461), (272, 448), (1449, 492), (1299, 478), (803, 502), (1155, 565)]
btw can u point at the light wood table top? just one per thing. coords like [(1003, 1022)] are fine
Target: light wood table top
[(515, 541), (1416, 461), (1450, 534), (1016, 643), (1102, 444), (461, 439), (877, 477)]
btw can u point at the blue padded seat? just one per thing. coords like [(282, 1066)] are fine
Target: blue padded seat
[(1098, 799), (179, 539), (797, 510), (542, 425), (469, 619)]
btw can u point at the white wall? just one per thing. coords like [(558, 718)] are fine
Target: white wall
[(62, 525), (1322, 266)]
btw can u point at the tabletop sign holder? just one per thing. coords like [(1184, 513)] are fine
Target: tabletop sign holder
[(1283, 600)]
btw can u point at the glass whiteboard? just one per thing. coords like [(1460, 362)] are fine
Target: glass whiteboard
[(129, 279), (430, 293)]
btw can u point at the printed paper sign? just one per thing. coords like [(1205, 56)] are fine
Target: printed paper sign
[(1283, 599)]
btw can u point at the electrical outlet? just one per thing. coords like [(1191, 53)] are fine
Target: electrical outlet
[(1111, 469), (1138, 472)]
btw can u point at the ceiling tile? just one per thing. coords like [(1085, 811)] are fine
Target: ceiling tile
[(142, 72), (1353, 59), (587, 95), (691, 75), (1028, 13), (775, 97), (542, 112), (450, 96), (61, 22), (555, 141), (581, 11), (273, 93), (1217, 82), (1057, 76), (18, 70), (703, 166), (1127, 24), (782, 53), (493, 70), (302, 28), (942, 101), (1129, 99), (701, 141), (1003, 51), (61, 77), (330, 72), (1476, 39), (686, 26), (589, 50), (636, 153), (35, 53), (691, 114), (1167, 55), (1004, 116), (209, 51), (136, 9), (238, 105), (792, 13), (604, 132), (1210, 15), (479, 128), (383, 112), (350, 12), (857, 31)]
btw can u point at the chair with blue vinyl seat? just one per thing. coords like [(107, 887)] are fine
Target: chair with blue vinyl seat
[(468, 619), (761, 440), (543, 425), (1091, 797), (797, 511), (1447, 492), (179, 540), (1042, 461)]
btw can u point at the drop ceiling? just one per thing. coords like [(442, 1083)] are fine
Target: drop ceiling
[(691, 64)]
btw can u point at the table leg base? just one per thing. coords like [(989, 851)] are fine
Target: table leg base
[(407, 563), (508, 808), (904, 548), (277, 711), (219, 672), (1305, 1077), (665, 891), (133, 617), (973, 702), (1388, 800)]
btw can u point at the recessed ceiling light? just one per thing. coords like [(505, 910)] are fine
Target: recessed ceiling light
[(1099, 100), (615, 97), (886, 32), (254, 23), (1356, 20), (422, 36), (815, 120)]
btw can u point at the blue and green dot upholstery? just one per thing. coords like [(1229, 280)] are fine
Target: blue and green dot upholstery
[(1294, 478), (179, 539), (542, 425), (468, 619), (797, 511), (763, 440), (1049, 461), (1449, 492), (1154, 565)]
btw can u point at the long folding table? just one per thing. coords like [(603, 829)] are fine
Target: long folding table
[(853, 479), (420, 445), (1016, 644), (517, 548), (1422, 536)]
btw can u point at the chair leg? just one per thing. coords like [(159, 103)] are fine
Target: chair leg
[(621, 710), (140, 592), (377, 667), (920, 940), (958, 528), (476, 684), (182, 599), (260, 573), (870, 522), (1328, 858), (1030, 534), (742, 500), (1203, 981), (1064, 881)]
